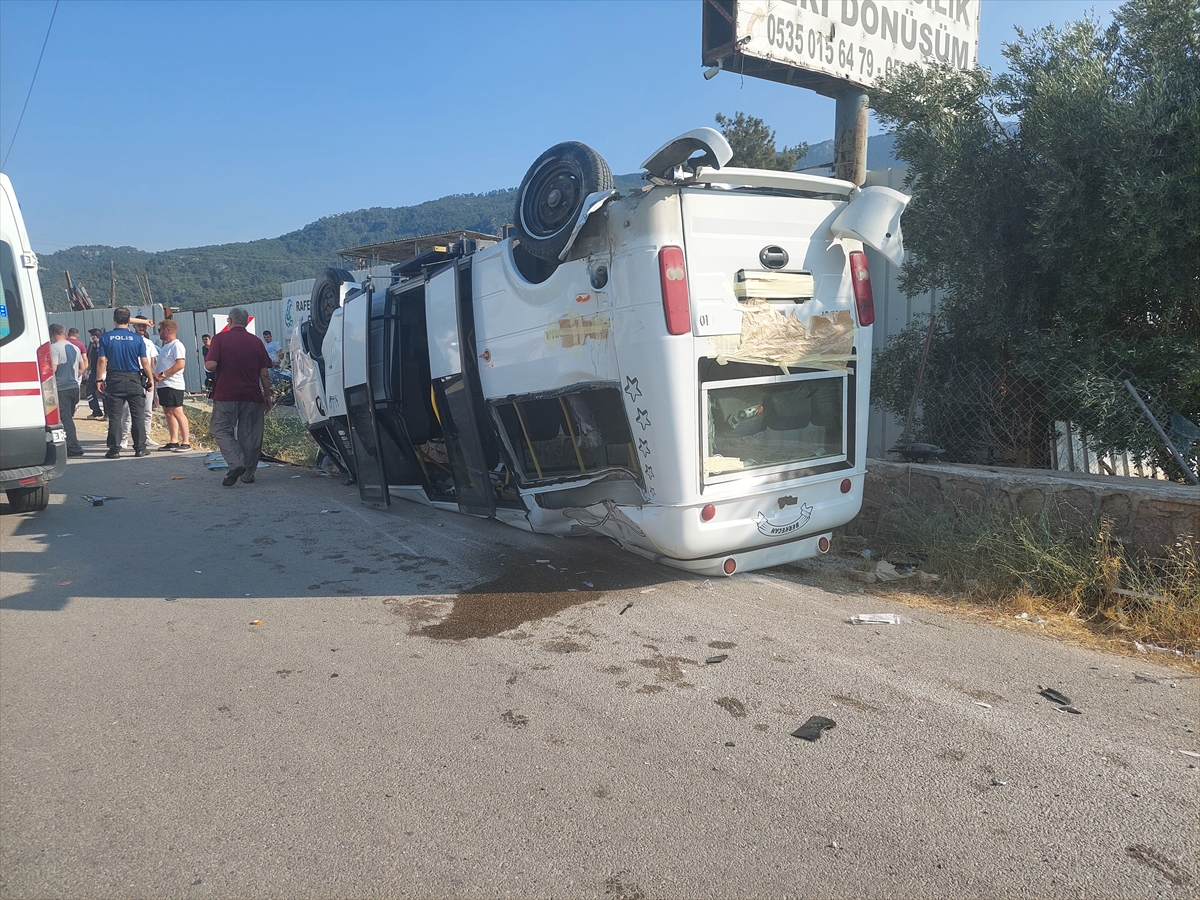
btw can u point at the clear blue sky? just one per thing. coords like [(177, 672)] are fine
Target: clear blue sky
[(177, 124)]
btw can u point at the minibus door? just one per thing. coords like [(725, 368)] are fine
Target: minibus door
[(450, 322), (360, 410)]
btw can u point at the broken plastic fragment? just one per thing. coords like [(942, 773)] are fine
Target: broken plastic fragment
[(719, 658), (588, 584), (1054, 696), (66, 582), (880, 619), (811, 730)]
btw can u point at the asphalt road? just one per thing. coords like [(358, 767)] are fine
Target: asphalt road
[(436, 706)]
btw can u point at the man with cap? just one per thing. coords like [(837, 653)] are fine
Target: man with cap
[(93, 353), (141, 326), (121, 366)]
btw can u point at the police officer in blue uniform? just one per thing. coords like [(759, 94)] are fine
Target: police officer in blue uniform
[(121, 365)]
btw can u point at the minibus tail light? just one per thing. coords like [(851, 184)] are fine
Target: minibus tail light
[(861, 277), (49, 388), (673, 275)]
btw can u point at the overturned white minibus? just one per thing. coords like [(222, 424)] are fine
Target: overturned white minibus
[(684, 369)]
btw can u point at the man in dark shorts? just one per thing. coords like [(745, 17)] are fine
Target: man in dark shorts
[(169, 378), (241, 396), (120, 367)]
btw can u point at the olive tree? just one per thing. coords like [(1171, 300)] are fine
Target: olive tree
[(753, 144), (1056, 206)]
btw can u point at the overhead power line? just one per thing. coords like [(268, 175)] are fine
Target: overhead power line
[(32, 81)]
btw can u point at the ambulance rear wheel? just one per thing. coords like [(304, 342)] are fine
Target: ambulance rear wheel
[(30, 499), (327, 297), (552, 193)]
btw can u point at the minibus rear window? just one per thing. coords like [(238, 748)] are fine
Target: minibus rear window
[(774, 424), (12, 321)]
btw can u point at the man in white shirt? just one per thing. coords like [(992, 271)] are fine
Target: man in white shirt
[(168, 379), (273, 349)]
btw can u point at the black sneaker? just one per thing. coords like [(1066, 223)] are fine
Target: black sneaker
[(166, 447), (141, 453), (112, 454), (183, 448), (231, 479)]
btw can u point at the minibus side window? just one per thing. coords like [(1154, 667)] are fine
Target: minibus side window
[(12, 320), (568, 435)]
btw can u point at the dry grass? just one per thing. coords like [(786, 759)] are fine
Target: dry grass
[(1002, 566), (284, 435)]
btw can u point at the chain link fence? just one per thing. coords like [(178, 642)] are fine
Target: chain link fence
[(1041, 415)]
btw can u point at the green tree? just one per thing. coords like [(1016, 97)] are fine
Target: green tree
[(1057, 205), (753, 144)]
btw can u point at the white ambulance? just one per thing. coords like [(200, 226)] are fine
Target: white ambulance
[(684, 369), (33, 444)]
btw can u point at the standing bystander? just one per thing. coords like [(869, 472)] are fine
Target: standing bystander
[(241, 396), (141, 327), (205, 343), (73, 337), (69, 365), (274, 351), (169, 375), (94, 397), (121, 369)]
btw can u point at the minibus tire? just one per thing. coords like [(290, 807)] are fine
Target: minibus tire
[(326, 297), (31, 499), (552, 194)]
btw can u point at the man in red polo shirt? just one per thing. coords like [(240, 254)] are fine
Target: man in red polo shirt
[(241, 396)]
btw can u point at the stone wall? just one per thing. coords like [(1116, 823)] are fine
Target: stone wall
[(1145, 514)]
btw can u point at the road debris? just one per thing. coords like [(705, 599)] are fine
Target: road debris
[(885, 572), (626, 608), (879, 619), (981, 703), (1152, 679), (811, 730), (996, 782), (1063, 701), (719, 658), (1054, 696), (256, 621)]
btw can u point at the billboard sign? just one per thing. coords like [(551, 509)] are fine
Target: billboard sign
[(839, 41)]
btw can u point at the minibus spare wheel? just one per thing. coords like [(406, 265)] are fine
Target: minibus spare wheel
[(552, 194), (326, 298)]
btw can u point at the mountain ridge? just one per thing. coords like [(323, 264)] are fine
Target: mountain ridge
[(218, 275)]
